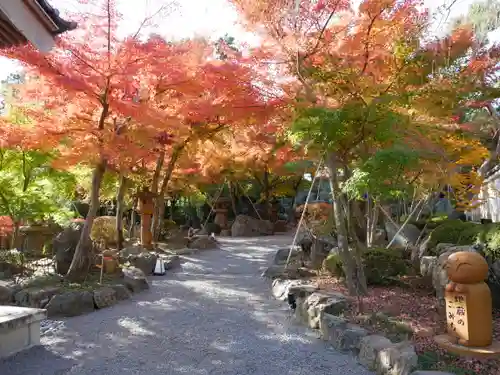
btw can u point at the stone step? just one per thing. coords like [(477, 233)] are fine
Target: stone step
[(19, 329)]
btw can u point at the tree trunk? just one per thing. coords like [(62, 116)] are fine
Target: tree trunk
[(159, 212), (154, 189), (146, 235), (81, 260), (158, 216), (359, 249), (369, 223), (15, 234), (348, 260), (266, 187), (231, 194), (374, 222), (120, 196), (173, 204), (132, 218)]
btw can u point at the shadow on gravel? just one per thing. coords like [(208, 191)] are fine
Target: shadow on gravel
[(214, 317), (23, 363)]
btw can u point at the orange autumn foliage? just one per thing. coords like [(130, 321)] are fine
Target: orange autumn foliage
[(376, 57)]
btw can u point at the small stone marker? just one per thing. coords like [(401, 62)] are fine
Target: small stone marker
[(468, 308)]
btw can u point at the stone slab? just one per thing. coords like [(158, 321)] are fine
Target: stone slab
[(19, 329), (12, 317), (449, 344)]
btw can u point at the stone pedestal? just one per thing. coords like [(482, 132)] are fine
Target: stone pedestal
[(273, 214), (221, 209), (221, 218), (468, 308), (19, 329)]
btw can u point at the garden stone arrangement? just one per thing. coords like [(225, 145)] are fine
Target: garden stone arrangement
[(322, 311), (212, 316)]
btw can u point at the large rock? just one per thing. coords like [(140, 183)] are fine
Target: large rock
[(282, 287), (309, 308), (104, 297), (247, 226), (211, 228), (407, 237), (145, 261), (369, 349), (171, 261), (398, 359), (134, 279), (427, 266), (71, 303), (275, 271), (203, 243), (225, 233), (419, 372), (121, 291), (64, 246), (282, 255), (340, 333), (422, 249), (36, 297), (131, 250), (7, 292)]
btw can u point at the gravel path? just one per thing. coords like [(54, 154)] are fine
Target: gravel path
[(215, 316)]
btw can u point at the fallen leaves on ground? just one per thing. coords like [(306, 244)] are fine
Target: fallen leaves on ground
[(418, 309)]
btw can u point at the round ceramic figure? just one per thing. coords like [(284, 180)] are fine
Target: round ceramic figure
[(468, 300)]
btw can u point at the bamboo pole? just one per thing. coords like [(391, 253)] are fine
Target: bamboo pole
[(303, 213)]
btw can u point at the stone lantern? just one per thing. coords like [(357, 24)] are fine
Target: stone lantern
[(221, 209)]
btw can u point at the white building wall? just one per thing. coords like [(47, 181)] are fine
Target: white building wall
[(488, 200), (26, 22)]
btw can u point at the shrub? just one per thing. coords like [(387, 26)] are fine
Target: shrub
[(169, 224), (455, 232), (429, 223), (489, 235), (333, 265), (381, 265), (467, 233), (104, 230)]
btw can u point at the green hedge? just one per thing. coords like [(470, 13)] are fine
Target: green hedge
[(429, 223), (381, 265), (467, 233)]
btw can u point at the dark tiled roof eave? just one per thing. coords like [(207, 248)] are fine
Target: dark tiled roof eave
[(62, 25)]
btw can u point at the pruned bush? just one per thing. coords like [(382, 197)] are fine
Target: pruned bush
[(467, 233), (104, 230), (333, 265), (455, 232), (381, 265), (489, 235), (429, 223), (169, 224)]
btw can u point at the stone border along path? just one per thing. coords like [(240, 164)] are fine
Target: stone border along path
[(213, 316), (322, 311)]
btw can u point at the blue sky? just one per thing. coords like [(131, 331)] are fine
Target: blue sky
[(212, 18)]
